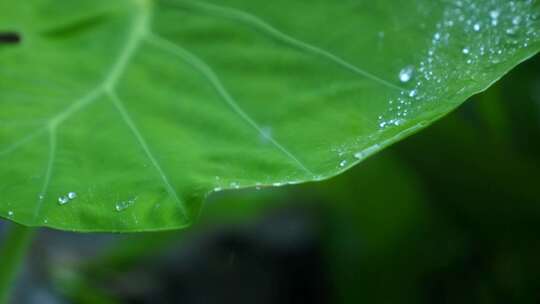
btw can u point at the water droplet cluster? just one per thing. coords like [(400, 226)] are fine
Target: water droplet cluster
[(471, 38), (349, 155), (64, 199), (224, 183)]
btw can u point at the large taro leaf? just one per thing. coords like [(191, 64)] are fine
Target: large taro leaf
[(140, 109)]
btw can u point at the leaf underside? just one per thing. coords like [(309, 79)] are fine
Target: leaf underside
[(125, 115)]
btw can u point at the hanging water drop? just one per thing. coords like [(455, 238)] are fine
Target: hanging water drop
[(359, 155)]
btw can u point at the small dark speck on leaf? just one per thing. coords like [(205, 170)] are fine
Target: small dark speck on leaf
[(9, 38)]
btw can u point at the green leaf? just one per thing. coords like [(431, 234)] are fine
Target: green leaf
[(142, 108)]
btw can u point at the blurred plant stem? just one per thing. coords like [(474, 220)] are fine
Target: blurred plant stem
[(12, 254)]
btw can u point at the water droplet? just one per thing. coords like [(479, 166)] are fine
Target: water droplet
[(413, 93), (62, 200), (235, 185), (294, 182), (366, 152), (466, 51), (266, 132), (476, 27), (511, 30), (494, 14), (406, 73), (359, 155), (343, 163), (10, 213), (123, 205), (437, 36), (72, 195), (398, 122), (217, 189)]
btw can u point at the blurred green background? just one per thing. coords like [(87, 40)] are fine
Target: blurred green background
[(449, 215)]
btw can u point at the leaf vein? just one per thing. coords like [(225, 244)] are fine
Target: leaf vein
[(140, 139), (48, 171), (265, 27), (213, 79)]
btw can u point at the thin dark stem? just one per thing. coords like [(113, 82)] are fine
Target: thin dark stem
[(12, 253)]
